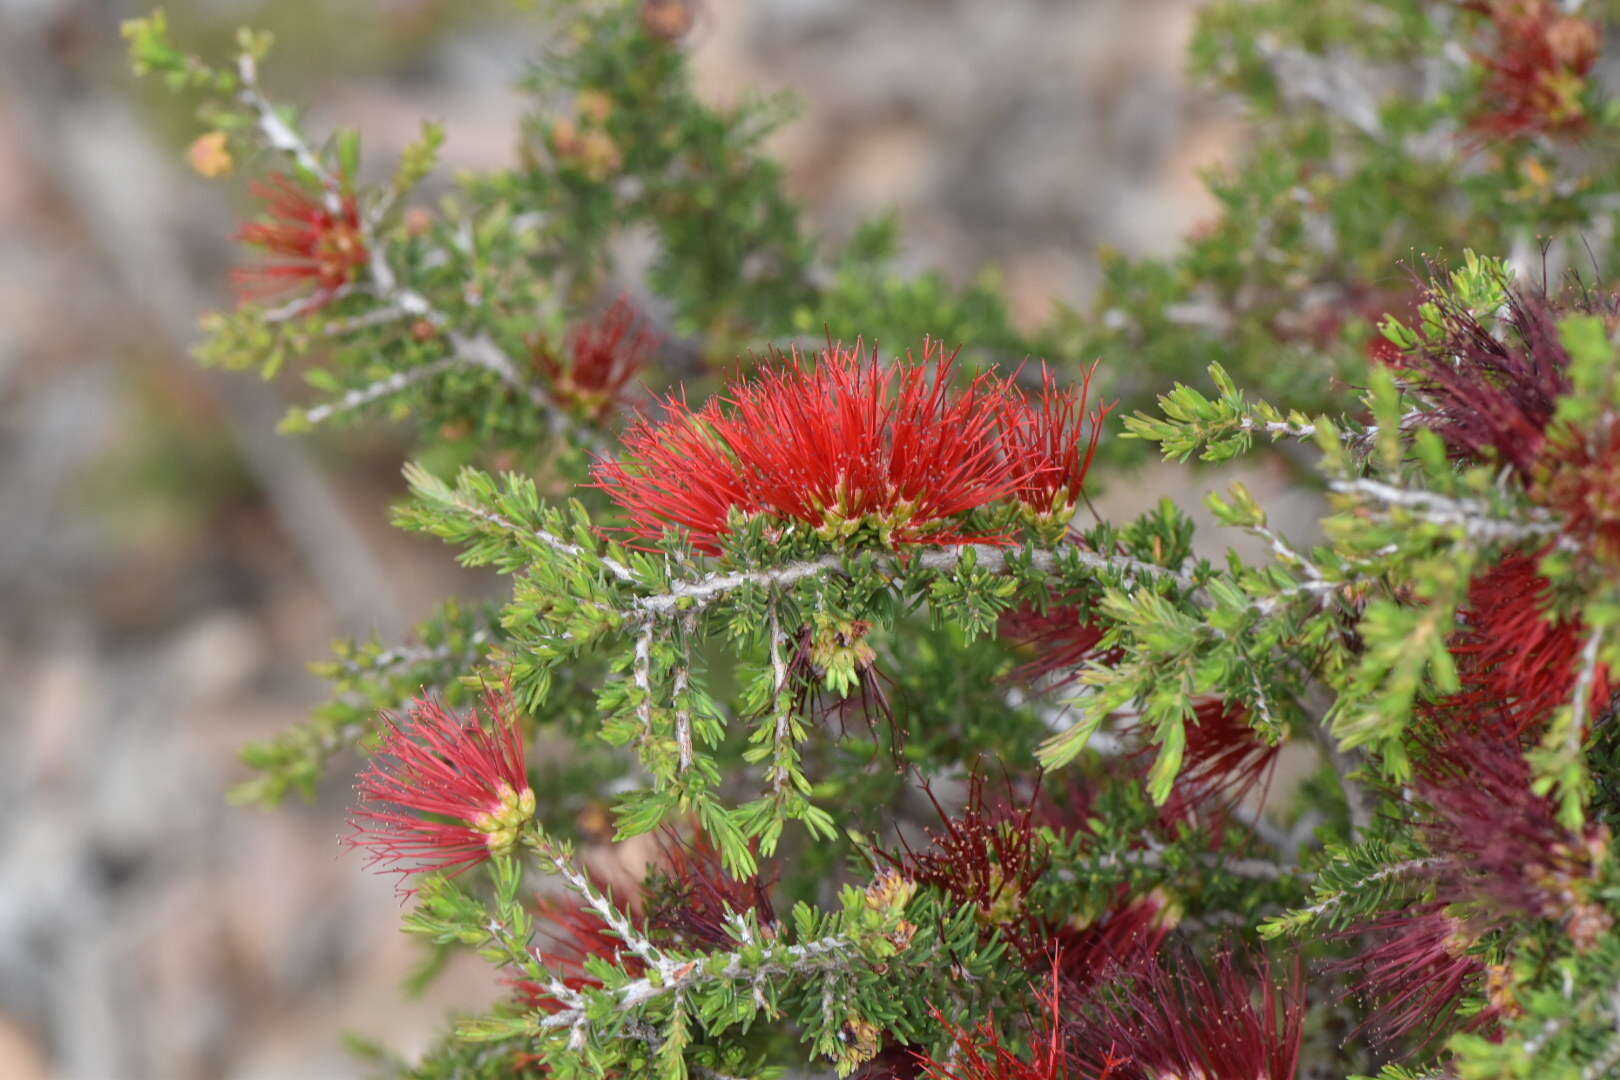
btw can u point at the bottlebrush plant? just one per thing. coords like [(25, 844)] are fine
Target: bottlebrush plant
[(933, 772)]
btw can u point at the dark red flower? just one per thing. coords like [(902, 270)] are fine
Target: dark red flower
[(688, 895), (1496, 842), (1174, 1017), (1225, 760), (982, 1053), (848, 447), (1047, 438), (575, 934), (444, 792), (1126, 936), (1537, 71), (603, 356), (1059, 641), (1491, 398), (1517, 662), (896, 1061), (1419, 975), (1578, 476), (989, 857), (318, 244)]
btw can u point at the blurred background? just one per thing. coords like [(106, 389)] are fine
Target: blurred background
[(168, 565)]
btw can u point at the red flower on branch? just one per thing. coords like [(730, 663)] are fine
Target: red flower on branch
[(987, 856), (1177, 1018), (575, 934), (603, 356), (318, 245), (444, 792), (1225, 760), (848, 447), (689, 896), (1126, 936), (1491, 398), (1419, 975), (1048, 437), (1517, 661), (1578, 476), (1499, 844), (1059, 641), (982, 1053), (1538, 70)]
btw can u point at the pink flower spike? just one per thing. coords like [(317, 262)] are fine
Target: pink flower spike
[(444, 792)]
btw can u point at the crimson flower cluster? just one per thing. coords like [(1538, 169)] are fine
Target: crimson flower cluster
[(317, 246), (1162, 1017), (1517, 661), (854, 448), (1497, 854), (1225, 758), (1492, 398), (688, 897), (1537, 72), (988, 856), (602, 358), (444, 792)]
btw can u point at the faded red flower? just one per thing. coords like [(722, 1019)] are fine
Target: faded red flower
[(444, 792), (317, 244), (1225, 760), (896, 1061), (987, 856), (1537, 72), (1497, 842), (1578, 476), (1491, 398), (1175, 1017), (1419, 975), (689, 896), (1059, 641), (1126, 936), (603, 356), (849, 447), (1048, 438)]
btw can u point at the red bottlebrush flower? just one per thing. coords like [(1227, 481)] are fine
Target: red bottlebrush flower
[(1179, 1019), (1538, 70), (1224, 761), (1516, 661), (1578, 476), (1492, 398), (1419, 976), (982, 1053), (689, 896), (1061, 639), (318, 245), (896, 1061), (1126, 936), (444, 792), (846, 446), (603, 356), (1498, 842), (576, 934), (1047, 439), (989, 857)]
